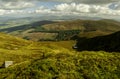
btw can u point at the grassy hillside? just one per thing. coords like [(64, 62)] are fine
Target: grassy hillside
[(26, 26), (107, 43), (66, 65), (88, 28), (12, 48), (65, 44), (85, 25), (33, 60)]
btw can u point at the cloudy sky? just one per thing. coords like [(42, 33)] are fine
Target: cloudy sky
[(90, 8)]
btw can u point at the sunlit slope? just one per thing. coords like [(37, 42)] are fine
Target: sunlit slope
[(67, 65), (19, 50), (12, 48), (33, 60), (6, 40), (89, 28), (85, 25)]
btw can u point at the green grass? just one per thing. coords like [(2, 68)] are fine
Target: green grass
[(84, 25), (65, 44), (33, 60), (69, 65)]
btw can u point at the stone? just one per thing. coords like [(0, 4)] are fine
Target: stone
[(8, 63)]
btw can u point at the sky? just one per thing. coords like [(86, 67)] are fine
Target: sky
[(88, 8)]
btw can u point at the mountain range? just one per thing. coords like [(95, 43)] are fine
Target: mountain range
[(88, 28)]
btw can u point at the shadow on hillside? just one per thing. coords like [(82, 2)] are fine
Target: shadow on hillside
[(27, 26), (109, 43)]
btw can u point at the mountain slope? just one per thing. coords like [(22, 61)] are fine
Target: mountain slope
[(79, 65), (109, 43), (85, 25), (26, 26), (36, 60), (88, 28)]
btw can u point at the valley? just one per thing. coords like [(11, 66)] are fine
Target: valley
[(59, 39), (54, 60), (45, 50), (50, 29)]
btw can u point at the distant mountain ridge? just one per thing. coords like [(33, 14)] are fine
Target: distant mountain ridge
[(27, 26), (85, 25), (88, 28)]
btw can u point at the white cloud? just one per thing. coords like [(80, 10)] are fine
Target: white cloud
[(6, 12), (2, 12), (69, 1), (73, 7), (83, 1), (68, 9), (42, 9), (64, 9), (16, 5), (85, 8)]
